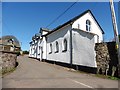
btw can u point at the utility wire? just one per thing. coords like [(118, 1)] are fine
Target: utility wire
[(61, 14)]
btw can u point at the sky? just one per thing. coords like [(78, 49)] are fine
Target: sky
[(24, 19)]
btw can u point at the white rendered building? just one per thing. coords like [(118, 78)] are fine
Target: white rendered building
[(72, 42)]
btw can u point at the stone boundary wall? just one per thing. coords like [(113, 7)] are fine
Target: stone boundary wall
[(7, 61), (106, 58)]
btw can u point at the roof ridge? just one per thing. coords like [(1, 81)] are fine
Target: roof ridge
[(74, 19)]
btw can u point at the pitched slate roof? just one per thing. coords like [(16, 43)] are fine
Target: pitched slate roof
[(74, 19)]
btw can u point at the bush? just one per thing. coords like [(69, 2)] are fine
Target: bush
[(18, 53), (25, 52)]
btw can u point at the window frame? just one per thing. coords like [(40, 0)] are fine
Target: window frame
[(88, 25), (78, 26), (65, 45), (50, 48), (56, 47)]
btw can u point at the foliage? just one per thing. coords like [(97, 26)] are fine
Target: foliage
[(107, 77), (26, 52), (18, 53), (6, 71)]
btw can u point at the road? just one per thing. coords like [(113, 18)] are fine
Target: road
[(32, 73)]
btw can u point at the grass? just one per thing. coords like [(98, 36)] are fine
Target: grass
[(107, 77), (97, 75), (6, 72)]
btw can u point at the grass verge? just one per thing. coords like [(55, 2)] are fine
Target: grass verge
[(107, 77), (5, 72), (96, 75)]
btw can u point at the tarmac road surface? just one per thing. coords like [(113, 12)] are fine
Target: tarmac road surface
[(32, 73)]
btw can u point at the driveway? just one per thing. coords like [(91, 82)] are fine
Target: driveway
[(32, 73)]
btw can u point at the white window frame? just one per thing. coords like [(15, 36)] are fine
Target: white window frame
[(50, 48), (65, 46), (56, 47), (78, 26), (88, 25)]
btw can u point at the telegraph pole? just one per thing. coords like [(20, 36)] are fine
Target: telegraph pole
[(116, 36)]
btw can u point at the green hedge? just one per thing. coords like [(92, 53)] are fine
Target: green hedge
[(25, 52)]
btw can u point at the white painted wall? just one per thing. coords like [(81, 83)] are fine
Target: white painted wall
[(31, 50), (44, 48), (83, 48), (35, 51), (44, 32), (83, 43), (30, 55), (34, 47), (11, 48), (38, 49), (59, 36), (94, 26)]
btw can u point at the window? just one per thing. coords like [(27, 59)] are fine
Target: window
[(88, 25), (64, 45), (39, 50), (57, 47), (31, 51), (78, 26), (11, 41), (50, 49)]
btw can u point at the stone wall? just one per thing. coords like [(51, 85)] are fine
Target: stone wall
[(106, 57), (7, 61)]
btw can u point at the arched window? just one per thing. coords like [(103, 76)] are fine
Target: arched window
[(78, 26), (57, 47), (88, 25), (50, 49), (65, 45)]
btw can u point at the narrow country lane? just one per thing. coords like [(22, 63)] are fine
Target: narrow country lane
[(32, 73)]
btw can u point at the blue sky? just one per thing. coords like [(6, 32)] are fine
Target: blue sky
[(24, 19)]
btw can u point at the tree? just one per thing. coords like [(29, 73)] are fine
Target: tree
[(25, 52)]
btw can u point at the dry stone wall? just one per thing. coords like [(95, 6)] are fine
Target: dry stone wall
[(7, 61), (106, 58)]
